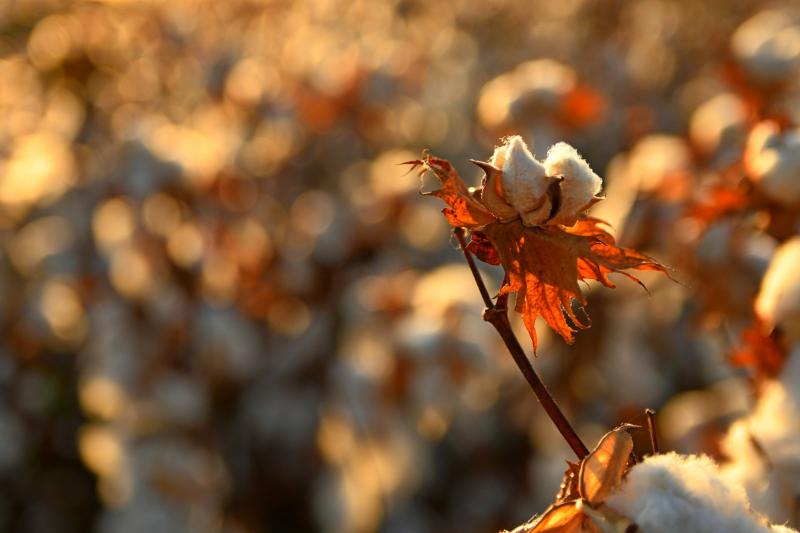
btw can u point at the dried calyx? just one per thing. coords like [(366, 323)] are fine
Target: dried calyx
[(553, 192)]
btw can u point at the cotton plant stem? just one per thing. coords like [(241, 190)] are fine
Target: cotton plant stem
[(497, 316), (651, 426)]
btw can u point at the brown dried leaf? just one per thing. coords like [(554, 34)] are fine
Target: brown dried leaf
[(465, 210), (544, 265), (560, 518), (602, 470)]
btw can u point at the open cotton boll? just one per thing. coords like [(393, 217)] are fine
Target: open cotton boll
[(671, 492), (773, 162), (580, 184), (524, 183), (778, 300)]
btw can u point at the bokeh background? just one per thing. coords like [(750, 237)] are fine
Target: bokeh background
[(226, 308)]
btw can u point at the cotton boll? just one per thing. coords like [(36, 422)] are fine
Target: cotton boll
[(671, 492), (580, 184), (493, 193), (778, 301), (525, 182), (523, 185), (773, 162)]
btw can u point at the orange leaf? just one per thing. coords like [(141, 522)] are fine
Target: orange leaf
[(560, 518), (764, 353), (465, 210), (602, 470), (545, 263), (480, 246)]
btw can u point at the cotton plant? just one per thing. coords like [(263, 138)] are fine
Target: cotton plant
[(529, 216)]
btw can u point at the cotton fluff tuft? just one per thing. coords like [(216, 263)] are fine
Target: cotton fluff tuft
[(524, 184), (671, 492), (580, 183), (778, 301)]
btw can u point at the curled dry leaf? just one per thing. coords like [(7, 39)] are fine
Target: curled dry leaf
[(596, 478), (561, 518), (465, 210), (602, 470), (544, 262)]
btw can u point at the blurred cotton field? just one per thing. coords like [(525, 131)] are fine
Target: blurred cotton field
[(226, 308)]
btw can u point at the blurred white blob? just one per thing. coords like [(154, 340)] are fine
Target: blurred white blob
[(768, 45), (764, 448), (537, 85), (39, 170), (718, 121), (778, 301), (671, 492), (655, 158), (772, 160)]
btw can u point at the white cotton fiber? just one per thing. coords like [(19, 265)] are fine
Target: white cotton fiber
[(580, 183), (671, 492), (525, 181)]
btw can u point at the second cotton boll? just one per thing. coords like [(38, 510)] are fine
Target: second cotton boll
[(554, 192)]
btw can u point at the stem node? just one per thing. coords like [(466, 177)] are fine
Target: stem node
[(497, 316)]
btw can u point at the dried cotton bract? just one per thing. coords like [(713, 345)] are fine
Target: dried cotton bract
[(550, 193)]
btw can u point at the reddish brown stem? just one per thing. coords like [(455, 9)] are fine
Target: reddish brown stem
[(497, 316), (651, 426)]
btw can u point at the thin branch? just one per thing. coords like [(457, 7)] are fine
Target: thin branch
[(497, 316), (487, 299), (651, 427)]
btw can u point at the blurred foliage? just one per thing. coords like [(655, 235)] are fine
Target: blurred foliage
[(225, 307)]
